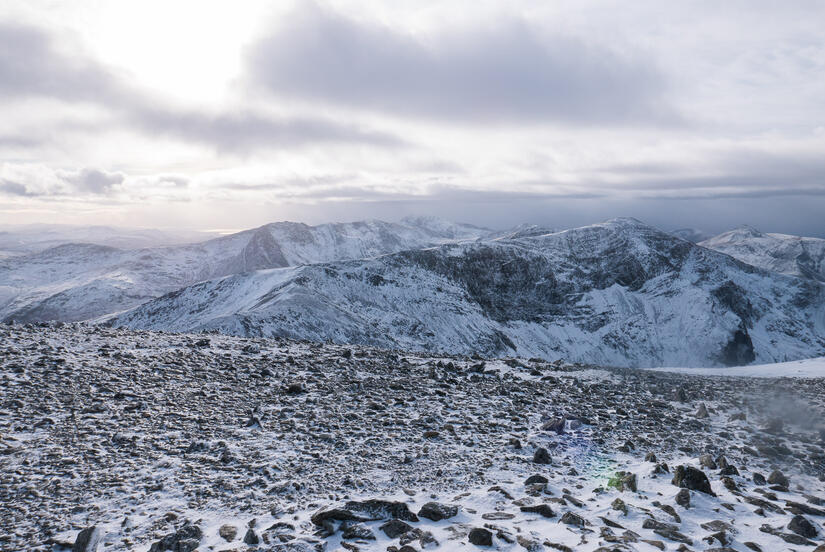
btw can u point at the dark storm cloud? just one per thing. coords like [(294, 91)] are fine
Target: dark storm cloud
[(32, 66), (740, 173), (512, 73)]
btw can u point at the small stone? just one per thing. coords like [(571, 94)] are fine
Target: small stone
[(683, 498)]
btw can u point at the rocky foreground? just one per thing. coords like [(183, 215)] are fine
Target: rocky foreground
[(123, 440)]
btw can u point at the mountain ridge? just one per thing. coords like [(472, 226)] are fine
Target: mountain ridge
[(615, 293)]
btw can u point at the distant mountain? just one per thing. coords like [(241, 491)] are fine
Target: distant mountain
[(32, 238), (691, 234), (82, 281), (798, 256), (618, 293)]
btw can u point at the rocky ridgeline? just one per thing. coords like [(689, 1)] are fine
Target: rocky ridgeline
[(123, 440)]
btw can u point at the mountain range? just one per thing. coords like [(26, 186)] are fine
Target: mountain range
[(617, 293), (82, 281)]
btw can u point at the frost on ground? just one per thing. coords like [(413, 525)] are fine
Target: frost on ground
[(123, 440)]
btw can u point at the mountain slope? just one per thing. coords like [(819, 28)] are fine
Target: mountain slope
[(81, 281), (798, 256), (618, 293)]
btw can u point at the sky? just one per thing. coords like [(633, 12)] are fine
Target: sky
[(229, 115)]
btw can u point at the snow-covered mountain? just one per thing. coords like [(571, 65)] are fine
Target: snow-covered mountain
[(82, 281), (617, 293), (795, 255)]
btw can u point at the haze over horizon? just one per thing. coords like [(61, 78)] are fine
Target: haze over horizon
[(231, 116)]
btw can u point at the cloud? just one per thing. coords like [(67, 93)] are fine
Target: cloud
[(35, 181), (245, 131), (509, 74), (12, 188), (93, 181), (31, 65)]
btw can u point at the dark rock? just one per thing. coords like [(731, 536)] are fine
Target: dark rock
[(666, 530), (776, 477), (375, 509), (228, 532), (542, 509), (250, 537), (480, 537), (359, 531), (555, 424), (683, 498), (569, 518), (803, 527), (691, 478), (759, 479), (88, 540), (541, 456), (436, 511), (395, 528), (533, 479)]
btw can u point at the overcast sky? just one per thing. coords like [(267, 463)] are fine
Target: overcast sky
[(228, 115)]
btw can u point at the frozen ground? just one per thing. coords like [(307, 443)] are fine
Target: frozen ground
[(184, 442)]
